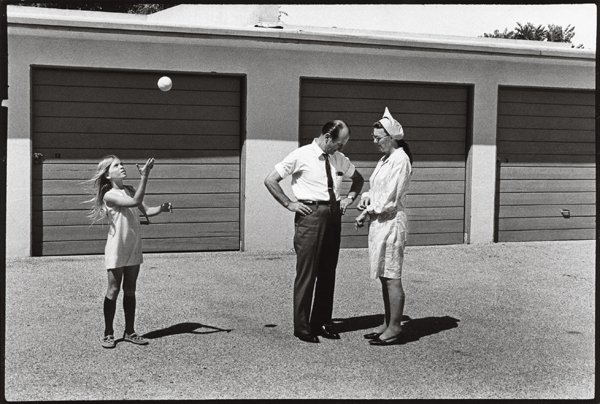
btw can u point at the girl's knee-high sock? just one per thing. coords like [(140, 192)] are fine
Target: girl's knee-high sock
[(110, 307), (129, 309)]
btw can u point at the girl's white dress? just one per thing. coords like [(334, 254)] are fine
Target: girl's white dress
[(388, 229), (124, 243)]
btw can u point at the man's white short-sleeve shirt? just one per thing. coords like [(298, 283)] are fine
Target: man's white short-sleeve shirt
[(306, 165)]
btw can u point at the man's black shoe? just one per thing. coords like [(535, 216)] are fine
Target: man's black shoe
[(306, 337), (325, 332)]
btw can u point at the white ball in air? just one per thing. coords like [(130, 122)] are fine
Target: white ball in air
[(165, 83)]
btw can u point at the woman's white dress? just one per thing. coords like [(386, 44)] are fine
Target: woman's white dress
[(388, 229), (124, 242)]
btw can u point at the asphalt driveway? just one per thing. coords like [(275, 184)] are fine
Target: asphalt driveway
[(507, 320)]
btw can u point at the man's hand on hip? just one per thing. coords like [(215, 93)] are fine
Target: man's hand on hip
[(299, 207)]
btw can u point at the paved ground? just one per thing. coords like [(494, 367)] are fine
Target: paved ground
[(512, 321)]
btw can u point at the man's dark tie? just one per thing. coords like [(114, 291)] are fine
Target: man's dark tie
[(332, 200)]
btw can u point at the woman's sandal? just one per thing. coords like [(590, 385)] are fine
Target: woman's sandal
[(388, 341)]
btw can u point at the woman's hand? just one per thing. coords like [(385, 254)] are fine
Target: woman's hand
[(364, 202), (360, 220), (144, 171)]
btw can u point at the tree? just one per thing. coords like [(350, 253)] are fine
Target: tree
[(497, 34), (530, 32), (554, 33), (108, 6)]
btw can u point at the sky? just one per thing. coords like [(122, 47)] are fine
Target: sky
[(463, 20)]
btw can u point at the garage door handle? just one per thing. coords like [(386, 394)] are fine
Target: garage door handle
[(566, 213), (37, 157)]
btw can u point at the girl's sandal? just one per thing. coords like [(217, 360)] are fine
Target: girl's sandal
[(136, 339), (108, 341)]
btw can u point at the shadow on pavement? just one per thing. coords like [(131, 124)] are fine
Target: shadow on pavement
[(413, 329), (183, 328), (342, 325), (422, 327)]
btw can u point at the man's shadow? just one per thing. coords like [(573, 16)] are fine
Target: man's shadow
[(413, 329), (183, 328)]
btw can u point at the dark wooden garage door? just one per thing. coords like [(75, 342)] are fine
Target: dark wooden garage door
[(193, 132), (546, 165), (434, 118)]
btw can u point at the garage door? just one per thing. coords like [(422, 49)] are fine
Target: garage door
[(193, 132), (546, 165), (434, 118)]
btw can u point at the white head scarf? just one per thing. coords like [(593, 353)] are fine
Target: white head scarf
[(392, 126)]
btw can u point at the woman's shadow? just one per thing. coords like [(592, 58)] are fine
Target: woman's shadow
[(412, 329), (183, 328)]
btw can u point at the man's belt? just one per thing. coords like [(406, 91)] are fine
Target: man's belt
[(314, 202)]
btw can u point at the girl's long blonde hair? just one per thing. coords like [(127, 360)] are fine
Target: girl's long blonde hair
[(100, 186)]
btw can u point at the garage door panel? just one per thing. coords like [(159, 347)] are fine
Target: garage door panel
[(548, 148), (425, 173), (547, 235), (144, 80), (179, 201), (547, 211), (549, 96), (546, 165), (170, 186), (361, 165), (160, 171), (166, 230), (557, 160), (193, 132), (423, 187), (355, 119), (547, 223), (523, 198), (416, 214), (546, 135), (148, 246), (554, 123), (571, 111), (386, 92), (126, 96), (548, 173), (547, 185), (183, 215), (417, 227), (362, 132), (132, 111), (138, 141), (108, 126), (376, 106), (162, 156), (356, 146)]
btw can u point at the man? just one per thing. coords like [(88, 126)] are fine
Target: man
[(317, 170)]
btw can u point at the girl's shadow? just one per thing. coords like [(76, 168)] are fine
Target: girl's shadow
[(413, 329), (183, 328)]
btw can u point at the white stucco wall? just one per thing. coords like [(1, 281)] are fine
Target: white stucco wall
[(273, 62)]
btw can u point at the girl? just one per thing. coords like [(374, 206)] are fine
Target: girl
[(123, 251)]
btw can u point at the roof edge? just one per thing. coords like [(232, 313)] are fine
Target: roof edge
[(132, 22)]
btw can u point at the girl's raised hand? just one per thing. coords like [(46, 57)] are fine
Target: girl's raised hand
[(144, 171)]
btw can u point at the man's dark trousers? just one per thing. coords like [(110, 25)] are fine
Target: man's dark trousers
[(317, 245)]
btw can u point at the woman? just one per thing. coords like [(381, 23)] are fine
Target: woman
[(384, 205)]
